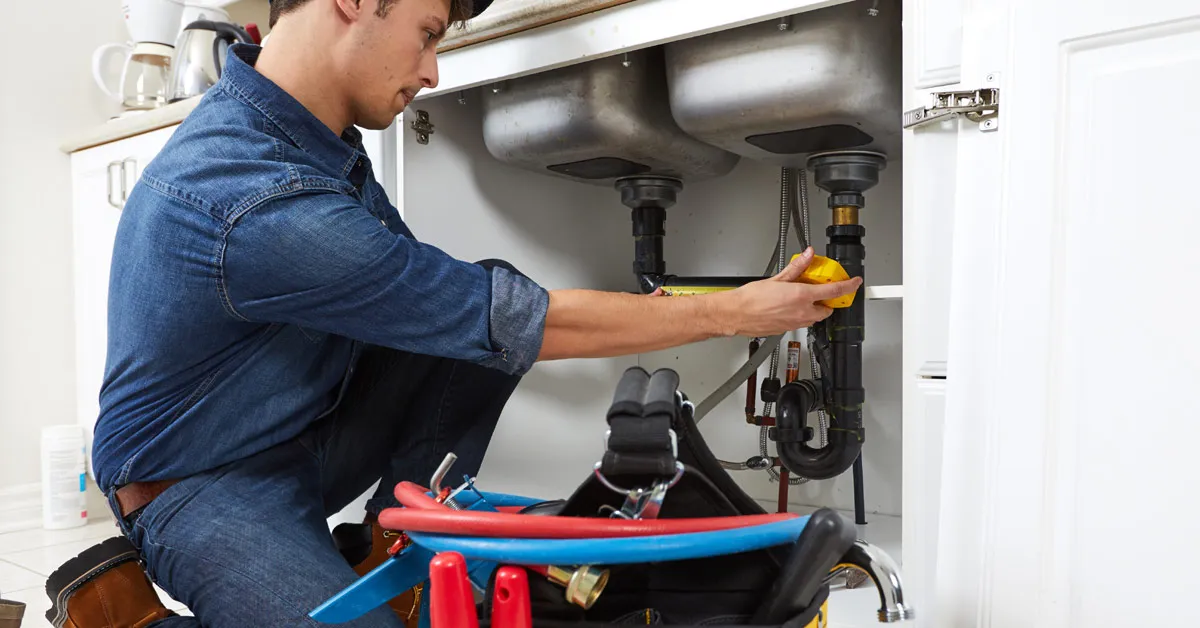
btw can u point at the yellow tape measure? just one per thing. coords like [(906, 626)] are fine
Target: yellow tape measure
[(827, 270), (821, 270)]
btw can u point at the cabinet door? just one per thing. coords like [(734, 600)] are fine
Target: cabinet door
[(932, 62), (101, 179), (922, 490), (1070, 420)]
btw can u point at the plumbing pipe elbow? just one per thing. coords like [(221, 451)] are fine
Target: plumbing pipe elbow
[(844, 445), (649, 282)]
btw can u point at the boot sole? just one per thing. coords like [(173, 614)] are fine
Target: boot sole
[(74, 573)]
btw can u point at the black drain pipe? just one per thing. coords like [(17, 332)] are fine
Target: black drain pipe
[(648, 199), (838, 343), (838, 340)]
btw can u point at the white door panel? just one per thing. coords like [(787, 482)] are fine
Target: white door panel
[(936, 39), (932, 59), (923, 456), (1069, 420)]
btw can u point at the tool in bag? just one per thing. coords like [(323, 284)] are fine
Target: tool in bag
[(657, 534)]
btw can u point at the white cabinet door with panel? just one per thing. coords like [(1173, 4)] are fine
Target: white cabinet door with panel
[(102, 178), (932, 63), (1062, 340)]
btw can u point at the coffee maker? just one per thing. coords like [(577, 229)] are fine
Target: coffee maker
[(146, 68)]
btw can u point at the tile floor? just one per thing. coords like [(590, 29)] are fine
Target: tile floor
[(28, 557)]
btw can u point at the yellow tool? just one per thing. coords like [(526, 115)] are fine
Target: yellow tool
[(821, 270), (826, 270)]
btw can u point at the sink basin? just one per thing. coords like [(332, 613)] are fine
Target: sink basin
[(596, 122), (830, 80)]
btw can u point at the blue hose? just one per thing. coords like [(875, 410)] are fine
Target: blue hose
[(615, 551)]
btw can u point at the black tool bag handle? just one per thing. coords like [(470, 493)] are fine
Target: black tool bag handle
[(641, 444)]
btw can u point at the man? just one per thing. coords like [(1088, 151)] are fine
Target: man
[(280, 340)]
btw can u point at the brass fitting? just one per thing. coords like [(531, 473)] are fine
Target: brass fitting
[(584, 585), (845, 215)]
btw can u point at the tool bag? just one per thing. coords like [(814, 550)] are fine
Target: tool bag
[(653, 442)]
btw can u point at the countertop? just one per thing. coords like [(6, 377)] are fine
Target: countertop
[(128, 126)]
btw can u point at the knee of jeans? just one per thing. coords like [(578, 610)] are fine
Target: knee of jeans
[(499, 263)]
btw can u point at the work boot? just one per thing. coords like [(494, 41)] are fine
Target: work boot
[(11, 613), (365, 547), (104, 586)]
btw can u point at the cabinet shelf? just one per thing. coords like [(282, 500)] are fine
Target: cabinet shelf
[(885, 293)]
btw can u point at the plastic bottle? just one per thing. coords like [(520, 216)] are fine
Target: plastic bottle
[(64, 480)]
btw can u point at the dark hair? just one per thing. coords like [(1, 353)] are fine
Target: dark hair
[(460, 10)]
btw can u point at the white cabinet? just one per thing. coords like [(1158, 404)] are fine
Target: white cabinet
[(102, 178), (932, 62)]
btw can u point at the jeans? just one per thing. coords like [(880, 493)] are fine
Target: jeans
[(247, 544)]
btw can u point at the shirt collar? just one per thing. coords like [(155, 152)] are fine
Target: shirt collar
[(344, 155)]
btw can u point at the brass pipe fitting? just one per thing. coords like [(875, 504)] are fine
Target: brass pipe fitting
[(845, 215), (584, 585)]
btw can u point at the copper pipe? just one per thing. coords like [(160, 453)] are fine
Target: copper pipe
[(751, 384)]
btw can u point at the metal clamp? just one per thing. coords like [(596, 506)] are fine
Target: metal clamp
[(980, 105), (641, 503), (422, 126)]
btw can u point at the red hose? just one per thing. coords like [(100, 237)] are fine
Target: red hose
[(423, 514)]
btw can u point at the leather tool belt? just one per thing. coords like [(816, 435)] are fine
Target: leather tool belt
[(133, 497)]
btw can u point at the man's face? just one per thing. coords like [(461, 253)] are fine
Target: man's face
[(394, 57)]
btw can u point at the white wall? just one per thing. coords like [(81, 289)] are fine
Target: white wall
[(569, 235), (46, 93)]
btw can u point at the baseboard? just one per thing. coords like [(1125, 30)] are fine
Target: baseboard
[(20, 507)]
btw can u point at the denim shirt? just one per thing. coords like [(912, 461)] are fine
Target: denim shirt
[(254, 257)]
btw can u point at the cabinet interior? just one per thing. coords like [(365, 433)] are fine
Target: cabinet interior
[(569, 234)]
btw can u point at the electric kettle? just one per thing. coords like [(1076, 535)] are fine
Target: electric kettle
[(200, 57)]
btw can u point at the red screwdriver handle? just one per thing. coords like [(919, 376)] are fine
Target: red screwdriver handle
[(511, 605), (451, 601)]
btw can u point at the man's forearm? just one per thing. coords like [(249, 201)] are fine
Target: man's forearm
[(591, 324)]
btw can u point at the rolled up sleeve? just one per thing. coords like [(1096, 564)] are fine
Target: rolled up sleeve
[(518, 316), (321, 261)]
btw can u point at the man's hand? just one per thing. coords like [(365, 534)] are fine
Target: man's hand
[(780, 304)]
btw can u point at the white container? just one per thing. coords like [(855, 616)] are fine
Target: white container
[(64, 480)]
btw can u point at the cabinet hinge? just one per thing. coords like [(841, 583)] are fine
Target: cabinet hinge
[(980, 105), (423, 127)]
